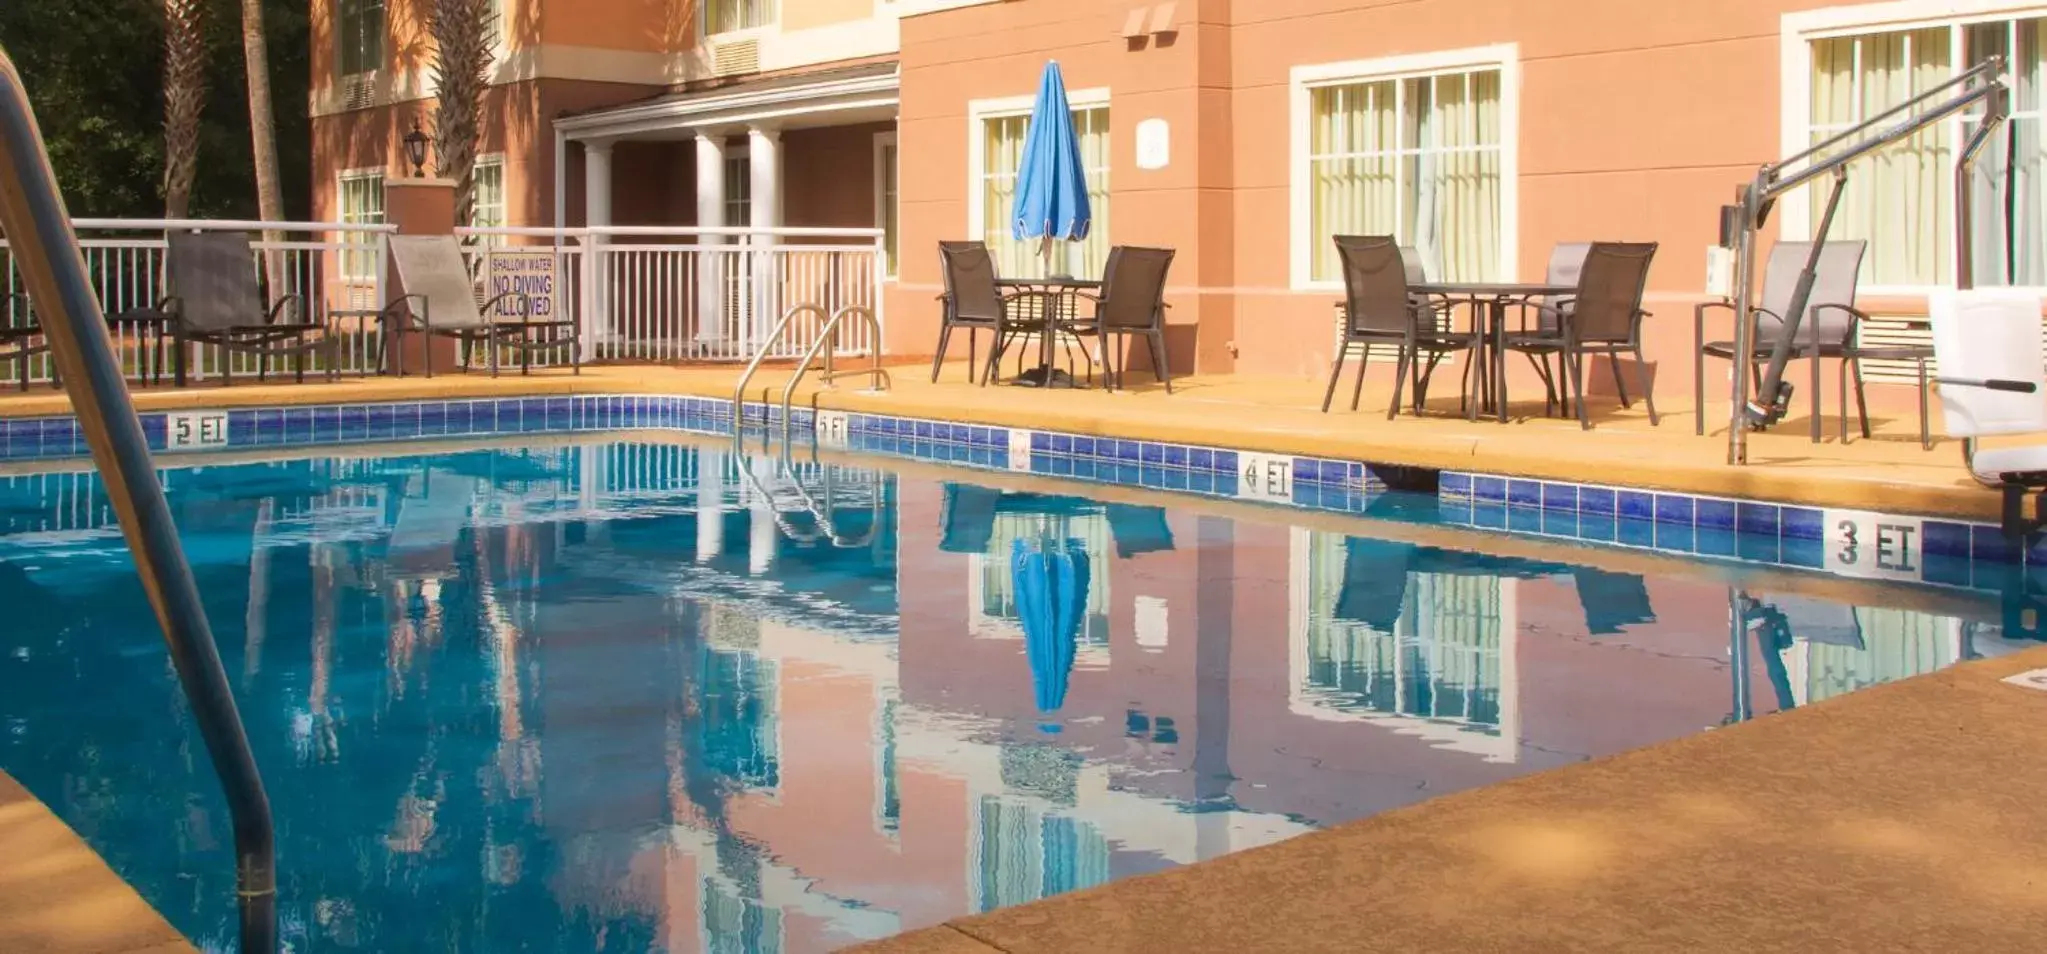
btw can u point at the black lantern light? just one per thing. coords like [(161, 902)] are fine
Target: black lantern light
[(415, 150)]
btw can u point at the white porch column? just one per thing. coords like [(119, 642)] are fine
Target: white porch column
[(713, 269), (764, 165), (596, 212)]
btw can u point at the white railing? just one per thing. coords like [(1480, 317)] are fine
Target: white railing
[(639, 293)]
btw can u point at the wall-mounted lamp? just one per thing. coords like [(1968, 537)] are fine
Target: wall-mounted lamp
[(415, 150)]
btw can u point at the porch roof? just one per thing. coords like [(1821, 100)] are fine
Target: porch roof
[(850, 94)]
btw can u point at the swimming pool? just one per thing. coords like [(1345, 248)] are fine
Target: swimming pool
[(588, 694)]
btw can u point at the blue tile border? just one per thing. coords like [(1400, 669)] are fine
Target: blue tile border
[(1948, 552)]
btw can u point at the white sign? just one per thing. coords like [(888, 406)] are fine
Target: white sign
[(2032, 679), (1265, 477), (1020, 450), (185, 430), (832, 429), (528, 273), (1873, 545), (1719, 271), (1154, 144)]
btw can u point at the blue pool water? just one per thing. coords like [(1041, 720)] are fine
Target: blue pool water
[(609, 696)]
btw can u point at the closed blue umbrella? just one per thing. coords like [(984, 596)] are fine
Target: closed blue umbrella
[(1051, 181), (1051, 595)]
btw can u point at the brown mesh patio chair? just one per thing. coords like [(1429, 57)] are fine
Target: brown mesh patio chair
[(216, 299), (1379, 309), (972, 300), (1604, 317), (440, 300), (1132, 303), (1566, 261), (21, 337), (1831, 329)]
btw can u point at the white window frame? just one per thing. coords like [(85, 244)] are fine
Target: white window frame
[(494, 159), (979, 111), (1799, 30), (383, 42), (883, 142), (774, 21), (738, 208), (1302, 80), (341, 214)]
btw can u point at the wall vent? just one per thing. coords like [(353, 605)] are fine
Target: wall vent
[(359, 91), (734, 57)]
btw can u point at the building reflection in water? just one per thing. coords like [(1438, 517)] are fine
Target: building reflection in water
[(652, 697)]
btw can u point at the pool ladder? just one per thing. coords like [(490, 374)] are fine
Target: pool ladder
[(825, 345), (820, 513)]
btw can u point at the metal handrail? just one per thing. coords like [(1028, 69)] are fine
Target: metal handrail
[(40, 232), (828, 336), (745, 377)]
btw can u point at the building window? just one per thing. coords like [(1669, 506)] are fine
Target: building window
[(362, 203), (1000, 155), (1417, 153), (738, 190), (359, 36), (1901, 199), (487, 210), (886, 216), (495, 31), (728, 16)]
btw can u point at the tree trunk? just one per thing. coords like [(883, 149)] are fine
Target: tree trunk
[(263, 132), (461, 69), (184, 93)]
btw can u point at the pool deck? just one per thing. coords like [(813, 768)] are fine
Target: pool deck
[(1902, 817), (58, 897), (1892, 818), (1889, 472)]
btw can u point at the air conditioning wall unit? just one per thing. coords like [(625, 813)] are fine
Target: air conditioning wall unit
[(736, 57)]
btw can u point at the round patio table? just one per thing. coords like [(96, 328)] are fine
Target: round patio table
[(1062, 291), (1489, 301)]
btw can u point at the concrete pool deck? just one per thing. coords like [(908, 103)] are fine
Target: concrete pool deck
[(1899, 817), (1889, 472), (58, 897)]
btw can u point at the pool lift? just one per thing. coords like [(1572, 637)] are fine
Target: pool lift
[(45, 249), (1982, 84)]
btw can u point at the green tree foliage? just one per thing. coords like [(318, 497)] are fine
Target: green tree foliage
[(94, 71)]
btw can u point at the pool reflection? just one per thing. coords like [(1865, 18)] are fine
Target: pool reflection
[(614, 697)]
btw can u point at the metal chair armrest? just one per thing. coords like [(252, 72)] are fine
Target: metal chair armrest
[(277, 307), (525, 305)]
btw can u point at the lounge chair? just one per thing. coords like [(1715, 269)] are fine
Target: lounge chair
[(440, 300), (1987, 343), (21, 337), (215, 298)]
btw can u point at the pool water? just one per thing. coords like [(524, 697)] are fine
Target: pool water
[(641, 697)]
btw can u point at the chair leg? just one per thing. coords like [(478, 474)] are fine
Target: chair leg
[(938, 361), (1648, 387), (1357, 391), (1699, 390), (1862, 399), (1817, 384), (973, 345), (1925, 432), (1158, 359), (1613, 363), (1335, 374), (1400, 372), (1842, 387), (1575, 361)]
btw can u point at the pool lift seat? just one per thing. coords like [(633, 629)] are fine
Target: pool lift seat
[(1993, 383)]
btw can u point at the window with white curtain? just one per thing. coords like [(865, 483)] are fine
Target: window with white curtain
[(362, 203), (1418, 157), (358, 36), (1902, 199), (728, 16), (1001, 155)]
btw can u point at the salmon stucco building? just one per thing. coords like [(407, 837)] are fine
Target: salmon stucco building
[(1241, 134)]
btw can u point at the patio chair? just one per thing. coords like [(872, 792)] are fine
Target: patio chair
[(215, 298), (21, 337), (1831, 320), (1566, 263), (1132, 303), (1612, 601), (972, 299), (1138, 529), (1379, 310), (440, 300), (967, 522), (1603, 317)]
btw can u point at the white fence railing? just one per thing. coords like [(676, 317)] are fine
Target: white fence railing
[(640, 293)]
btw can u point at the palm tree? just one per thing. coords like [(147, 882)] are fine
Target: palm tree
[(263, 130), (461, 72), (184, 92)]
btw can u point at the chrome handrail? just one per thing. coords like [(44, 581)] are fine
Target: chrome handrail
[(878, 376), (746, 377), (39, 231)]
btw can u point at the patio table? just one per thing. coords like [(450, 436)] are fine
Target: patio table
[(1489, 301), (1062, 291)]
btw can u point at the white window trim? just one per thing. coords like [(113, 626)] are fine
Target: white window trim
[(341, 180), (1505, 57), (883, 142), (498, 159), (1796, 34), (979, 111)]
